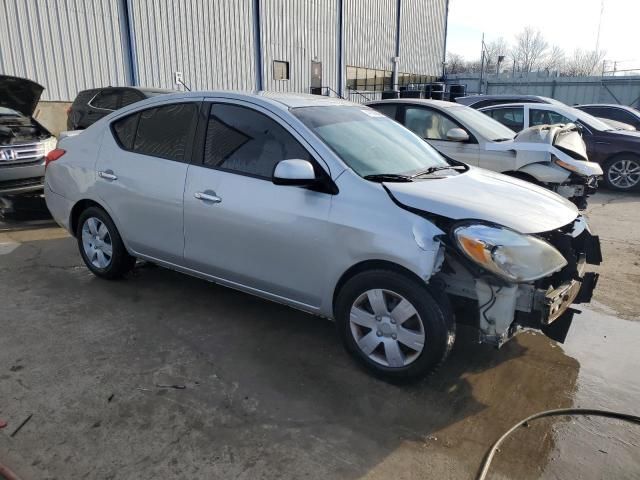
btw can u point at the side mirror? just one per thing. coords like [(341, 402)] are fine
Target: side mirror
[(294, 172), (457, 135)]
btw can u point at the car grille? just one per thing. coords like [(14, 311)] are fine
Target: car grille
[(19, 154)]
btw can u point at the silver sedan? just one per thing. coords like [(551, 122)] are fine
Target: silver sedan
[(325, 206)]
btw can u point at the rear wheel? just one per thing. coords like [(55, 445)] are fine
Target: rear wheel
[(101, 246), (394, 325), (622, 173)]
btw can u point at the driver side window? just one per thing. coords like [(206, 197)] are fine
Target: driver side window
[(244, 141), (428, 124)]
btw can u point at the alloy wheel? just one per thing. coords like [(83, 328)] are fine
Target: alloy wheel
[(387, 328), (624, 173), (96, 242)]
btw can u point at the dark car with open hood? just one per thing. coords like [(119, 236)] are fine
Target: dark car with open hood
[(24, 142)]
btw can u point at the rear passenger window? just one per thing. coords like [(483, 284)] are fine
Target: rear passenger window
[(245, 141), (165, 131), (107, 100), (129, 97), (125, 130)]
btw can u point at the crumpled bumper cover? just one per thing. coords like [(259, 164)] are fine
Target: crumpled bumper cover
[(552, 311)]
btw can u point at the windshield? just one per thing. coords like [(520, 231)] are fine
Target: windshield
[(368, 141), (484, 125)]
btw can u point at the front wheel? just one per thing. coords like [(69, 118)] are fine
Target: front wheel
[(394, 325), (622, 173), (101, 246)]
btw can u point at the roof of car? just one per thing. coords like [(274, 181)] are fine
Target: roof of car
[(279, 99), (472, 99), (612, 105), (418, 101)]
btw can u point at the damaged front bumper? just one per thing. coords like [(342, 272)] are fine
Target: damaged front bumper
[(578, 189), (502, 310)]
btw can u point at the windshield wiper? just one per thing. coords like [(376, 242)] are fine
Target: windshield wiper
[(387, 177), (437, 169)]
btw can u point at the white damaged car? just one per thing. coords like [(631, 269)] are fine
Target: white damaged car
[(554, 157), (328, 207)]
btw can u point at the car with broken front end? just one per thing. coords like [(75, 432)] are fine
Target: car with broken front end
[(552, 157), (329, 207)]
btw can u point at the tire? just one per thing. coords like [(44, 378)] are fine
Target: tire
[(622, 173), (101, 246), (387, 341)]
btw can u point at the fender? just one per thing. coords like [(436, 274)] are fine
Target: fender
[(546, 172)]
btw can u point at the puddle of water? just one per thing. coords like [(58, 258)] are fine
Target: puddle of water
[(609, 378), (607, 349)]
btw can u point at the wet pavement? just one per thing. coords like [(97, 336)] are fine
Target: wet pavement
[(269, 392)]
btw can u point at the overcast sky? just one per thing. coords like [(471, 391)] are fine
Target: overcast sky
[(567, 23)]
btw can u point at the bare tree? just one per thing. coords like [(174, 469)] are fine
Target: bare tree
[(554, 60), (583, 63), (493, 51), (455, 63), (529, 49)]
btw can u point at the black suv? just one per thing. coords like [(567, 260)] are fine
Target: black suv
[(91, 105)]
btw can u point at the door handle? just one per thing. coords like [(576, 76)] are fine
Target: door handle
[(208, 196), (107, 175)]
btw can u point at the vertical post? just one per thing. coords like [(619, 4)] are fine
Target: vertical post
[(341, 67), (444, 43), (481, 63), (257, 40), (131, 43), (396, 59)]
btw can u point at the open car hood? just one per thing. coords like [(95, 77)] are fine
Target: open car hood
[(20, 94), (565, 138), (484, 195)]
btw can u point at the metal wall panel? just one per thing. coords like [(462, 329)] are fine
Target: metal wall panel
[(65, 45), (299, 32), (422, 32), (209, 41), (370, 33)]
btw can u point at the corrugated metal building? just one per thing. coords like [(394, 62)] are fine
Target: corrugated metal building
[(286, 45)]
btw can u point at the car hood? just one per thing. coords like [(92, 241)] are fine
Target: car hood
[(480, 194), (20, 94)]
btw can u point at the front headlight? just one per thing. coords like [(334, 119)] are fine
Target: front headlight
[(507, 253), (566, 165)]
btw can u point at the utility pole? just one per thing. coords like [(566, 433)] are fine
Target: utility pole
[(599, 25), (481, 62)]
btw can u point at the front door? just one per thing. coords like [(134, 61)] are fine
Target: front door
[(141, 173), (433, 126), (239, 226)]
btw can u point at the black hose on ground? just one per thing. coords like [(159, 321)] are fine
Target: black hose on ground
[(482, 475)]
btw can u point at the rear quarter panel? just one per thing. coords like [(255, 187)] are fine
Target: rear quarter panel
[(73, 175)]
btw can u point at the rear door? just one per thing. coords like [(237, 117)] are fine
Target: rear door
[(242, 228), (433, 125), (141, 172)]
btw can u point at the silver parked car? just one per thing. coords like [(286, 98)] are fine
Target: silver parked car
[(329, 207), (553, 157)]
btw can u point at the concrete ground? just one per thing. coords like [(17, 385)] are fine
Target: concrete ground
[(269, 393)]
